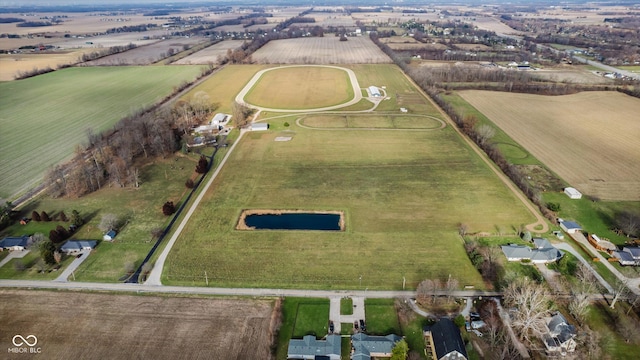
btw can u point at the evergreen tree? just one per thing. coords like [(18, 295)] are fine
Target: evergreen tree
[(35, 216), (201, 168), (44, 216)]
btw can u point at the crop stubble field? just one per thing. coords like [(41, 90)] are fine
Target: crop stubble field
[(589, 139), (210, 53), (403, 194), (70, 325), (321, 50), (43, 118)]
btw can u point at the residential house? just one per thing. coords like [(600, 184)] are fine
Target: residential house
[(560, 336), (543, 252), (220, 118), (365, 347), (110, 235), (634, 251), (15, 243), (310, 348), (75, 246), (624, 258), (443, 341)]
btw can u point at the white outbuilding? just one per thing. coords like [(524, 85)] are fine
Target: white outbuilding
[(374, 91), (572, 193), (259, 127)]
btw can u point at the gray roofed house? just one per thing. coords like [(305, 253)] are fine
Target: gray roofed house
[(444, 341), (365, 347), (15, 243), (634, 251), (310, 348), (545, 254), (624, 258), (74, 246), (560, 335)]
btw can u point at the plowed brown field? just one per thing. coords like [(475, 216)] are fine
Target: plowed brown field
[(590, 139), (106, 326), (321, 50)]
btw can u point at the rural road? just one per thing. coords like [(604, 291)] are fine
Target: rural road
[(601, 280), (257, 292), (357, 92), (156, 273)]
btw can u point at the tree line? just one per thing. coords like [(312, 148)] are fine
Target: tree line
[(110, 157)]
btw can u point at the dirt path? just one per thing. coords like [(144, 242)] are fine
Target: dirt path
[(540, 226)]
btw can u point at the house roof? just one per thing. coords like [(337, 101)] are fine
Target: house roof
[(623, 256), (542, 243), (309, 346), (516, 251), (446, 338), (111, 233), (364, 345), (11, 241), (559, 329), (633, 250), (571, 225), (72, 245), (218, 118)]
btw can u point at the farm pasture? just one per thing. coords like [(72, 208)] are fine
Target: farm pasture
[(13, 64), (210, 53), (301, 87), (43, 118), (589, 139), (321, 50), (573, 74), (72, 325), (147, 54)]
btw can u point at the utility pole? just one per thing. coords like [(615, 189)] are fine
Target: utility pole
[(73, 275), (206, 279), (404, 282)]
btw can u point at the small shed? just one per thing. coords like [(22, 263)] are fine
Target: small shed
[(570, 227), (259, 127), (110, 235), (572, 193)]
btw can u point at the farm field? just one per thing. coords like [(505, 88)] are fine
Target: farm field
[(147, 54), (321, 50), (12, 64), (153, 327), (403, 194), (37, 113), (301, 87), (575, 74), (589, 139), (211, 53)]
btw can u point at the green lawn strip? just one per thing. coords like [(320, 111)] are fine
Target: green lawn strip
[(62, 105), (413, 335), (346, 306), (345, 349), (514, 153), (363, 104), (301, 316), (30, 270), (139, 209), (381, 317)]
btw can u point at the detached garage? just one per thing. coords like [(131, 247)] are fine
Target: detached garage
[(572, 193), (259, 127)]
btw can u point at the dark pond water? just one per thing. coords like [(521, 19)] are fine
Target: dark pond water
[(294, 221)]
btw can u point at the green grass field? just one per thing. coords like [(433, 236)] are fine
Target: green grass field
[(139, 207), (301, 88), (45, 117), (403, 194), (382, 318), (300, 317)]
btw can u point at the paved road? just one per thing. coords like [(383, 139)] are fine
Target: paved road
[(357, 92), (607, 68), (144, 288), (574, 252), (156, 273)]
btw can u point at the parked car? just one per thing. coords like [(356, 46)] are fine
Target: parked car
[(355, 325), (331, 327), (478, 333), (362, 325)]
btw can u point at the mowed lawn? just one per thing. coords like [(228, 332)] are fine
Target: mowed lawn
[(43, 119), (304, 87), (403, 194)]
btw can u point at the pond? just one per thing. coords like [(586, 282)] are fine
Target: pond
[(294, 221)]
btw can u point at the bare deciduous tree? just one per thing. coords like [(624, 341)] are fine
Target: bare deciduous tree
[(619, 289), (581, 293), (532, 302), (425, 291), (108, 222), (485, 133)]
